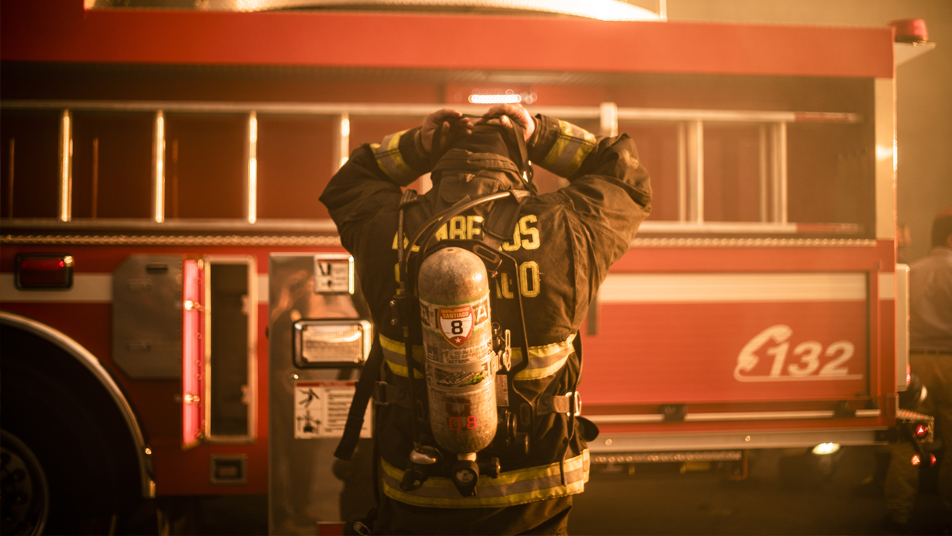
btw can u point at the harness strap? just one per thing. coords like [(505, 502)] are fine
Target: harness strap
[(503, 218), (387, 393), (355, 417), (568, 403), (371, 370)]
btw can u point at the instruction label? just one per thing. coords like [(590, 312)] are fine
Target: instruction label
[(332, 276), (321, 407)]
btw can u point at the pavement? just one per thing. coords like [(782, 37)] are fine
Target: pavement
[(782, 495)]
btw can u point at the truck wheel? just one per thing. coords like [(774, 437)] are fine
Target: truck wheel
[(25, 497), (75, 436)]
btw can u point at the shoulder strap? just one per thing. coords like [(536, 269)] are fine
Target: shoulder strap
[(358, 405), (503, 218), (371, 370)]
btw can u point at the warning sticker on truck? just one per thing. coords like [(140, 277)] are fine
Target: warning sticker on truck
[(321, 408)]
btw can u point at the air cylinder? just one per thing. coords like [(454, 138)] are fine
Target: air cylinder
[(457, 338)]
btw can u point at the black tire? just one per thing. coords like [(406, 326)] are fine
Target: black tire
[(66, 418)]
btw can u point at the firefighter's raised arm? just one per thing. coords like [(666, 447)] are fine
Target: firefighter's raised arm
[(372, 176), (572, 152)]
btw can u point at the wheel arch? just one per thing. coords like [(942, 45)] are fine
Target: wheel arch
[(70, 347)]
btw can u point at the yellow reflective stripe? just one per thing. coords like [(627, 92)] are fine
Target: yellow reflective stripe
[(394, 352), (556, 151), (510, 488), (544, 360), (570, 149), (537, 373), (389, 159), (583, 151), (551, 349)]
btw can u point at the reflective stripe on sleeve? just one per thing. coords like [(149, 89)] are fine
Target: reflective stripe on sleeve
[(510, 488), (390, 161), (570, 150), (543, 360)]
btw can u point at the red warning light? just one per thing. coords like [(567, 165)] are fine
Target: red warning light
[(932, 459), (921, 431), (43, 271)]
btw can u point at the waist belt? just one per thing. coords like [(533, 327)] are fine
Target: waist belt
[(508, 489)]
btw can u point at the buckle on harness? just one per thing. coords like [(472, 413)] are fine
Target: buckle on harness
[(569, 404)]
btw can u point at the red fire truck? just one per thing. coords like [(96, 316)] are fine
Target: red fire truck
[(178, 317)]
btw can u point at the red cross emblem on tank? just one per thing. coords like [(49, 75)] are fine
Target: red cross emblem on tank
[(456, 323)]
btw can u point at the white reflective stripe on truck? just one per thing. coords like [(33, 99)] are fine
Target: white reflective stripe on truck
[(87, 288)]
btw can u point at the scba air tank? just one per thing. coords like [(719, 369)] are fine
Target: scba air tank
[(460, 362)]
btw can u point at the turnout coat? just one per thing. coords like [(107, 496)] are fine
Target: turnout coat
[(563, 242)]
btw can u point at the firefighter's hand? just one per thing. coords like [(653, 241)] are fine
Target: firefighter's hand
[(454, 127), (514, 112)]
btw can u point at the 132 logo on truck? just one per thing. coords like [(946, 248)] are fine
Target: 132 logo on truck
[(776, 342)]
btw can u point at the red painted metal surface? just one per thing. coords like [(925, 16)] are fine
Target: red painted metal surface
[(158, 404), (61, 30), (644, 355), (684, 353)]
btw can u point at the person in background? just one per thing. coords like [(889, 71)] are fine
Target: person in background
[(930, 341)]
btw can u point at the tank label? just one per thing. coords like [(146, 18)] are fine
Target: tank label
[(456, 323)]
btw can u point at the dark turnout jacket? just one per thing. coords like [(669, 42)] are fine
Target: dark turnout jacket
[(563, 242)]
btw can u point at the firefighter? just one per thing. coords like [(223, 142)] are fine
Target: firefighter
[(563, 243)]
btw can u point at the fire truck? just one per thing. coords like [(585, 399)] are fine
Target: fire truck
[(179, 319)]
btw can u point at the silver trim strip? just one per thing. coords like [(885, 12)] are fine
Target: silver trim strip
[(333, 240), (780, 162), (642, 442), (158, 168), (902, 324), (182, 224), (251, 169), (765, 152), (341, 151), (750, 242), (608, 120), (90, 361), (751, 227), (668, 457), (682, 173), (327, 226), (422, 110), (695, 154), (732, 416), (121, 240), (66, 166), (884, 91), (734, 116)]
